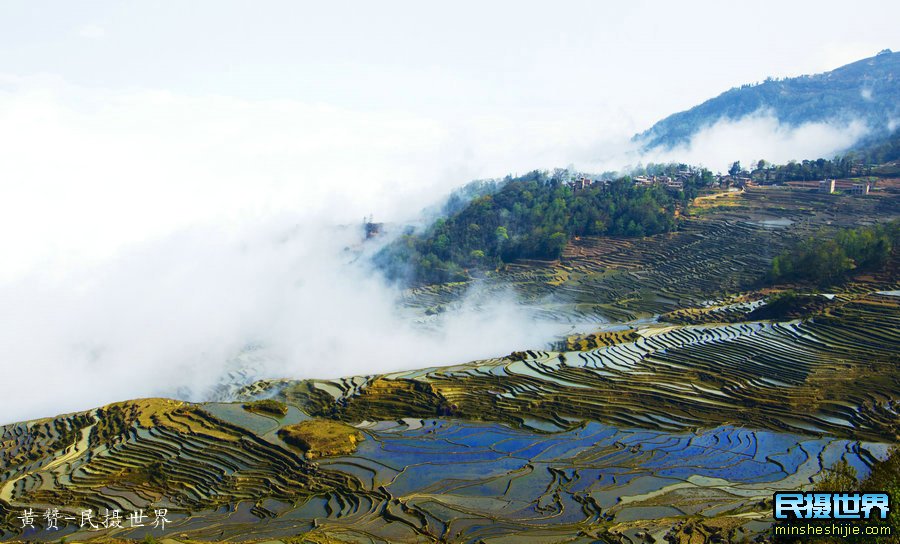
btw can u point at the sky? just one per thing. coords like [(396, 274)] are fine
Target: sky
[(152, 155)]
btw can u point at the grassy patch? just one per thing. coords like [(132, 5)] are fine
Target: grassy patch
[(267, 407), (585, 342), (322, 437)]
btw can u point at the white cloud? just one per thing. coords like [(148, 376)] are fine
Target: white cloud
[(92, 32), (761, 136), (149, 237), (168, 317), (86, 171)]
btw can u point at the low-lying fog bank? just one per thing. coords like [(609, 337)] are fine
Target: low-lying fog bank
[(205, 307)]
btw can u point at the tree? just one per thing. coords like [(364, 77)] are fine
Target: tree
[(840, 478), (534, 217), (556, 244), (829, 257), (735, 169)]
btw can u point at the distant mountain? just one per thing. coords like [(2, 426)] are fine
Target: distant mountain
[(868, 89)]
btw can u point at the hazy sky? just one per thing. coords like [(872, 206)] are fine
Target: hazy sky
[(156, 157), (646, 58)]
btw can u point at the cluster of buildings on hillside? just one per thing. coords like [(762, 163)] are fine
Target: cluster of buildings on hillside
[(673, 183), (582, 183), (829, 186), (677, 181)]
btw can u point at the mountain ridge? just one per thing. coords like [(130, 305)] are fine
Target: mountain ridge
[(867, 90)]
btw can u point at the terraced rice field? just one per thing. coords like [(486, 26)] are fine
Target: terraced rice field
[(721, 251), (435, 480), (682, 426), (643, 431), (835, 373)]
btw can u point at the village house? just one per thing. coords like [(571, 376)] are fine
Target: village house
[(581, 183), (675, 184), (859, 189)]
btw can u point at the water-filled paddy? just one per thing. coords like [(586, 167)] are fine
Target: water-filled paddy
[(524, 476)]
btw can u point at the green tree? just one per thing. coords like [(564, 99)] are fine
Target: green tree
[(841, 477)]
